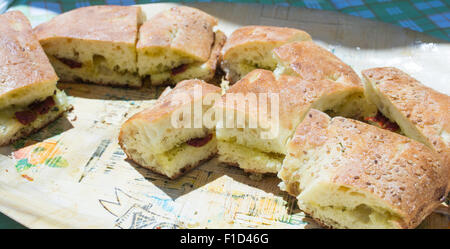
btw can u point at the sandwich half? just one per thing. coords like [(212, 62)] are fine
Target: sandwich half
[(250, 47), (95, 44), (349, 174), (179, 44), (29, 99), (258, 115), (421, 112), (169, 138)]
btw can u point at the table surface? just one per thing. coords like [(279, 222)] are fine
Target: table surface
[(428, 16)]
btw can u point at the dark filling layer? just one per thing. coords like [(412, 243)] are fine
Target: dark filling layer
[(383, 122), (199, 142), (179, 69), (70, 63), (36, 108)]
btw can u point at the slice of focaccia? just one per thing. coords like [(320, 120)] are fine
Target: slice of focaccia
[(29, 99), (312, 62), (179, 44), (250, 47), (166, 138), (252, 134), (421, 112), (349, 174), (95, 44)]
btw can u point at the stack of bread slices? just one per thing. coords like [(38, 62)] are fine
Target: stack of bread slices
[(355, 154)]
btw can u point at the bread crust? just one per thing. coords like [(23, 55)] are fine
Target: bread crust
[(184, 29), (23, 63), (107, 23), (425, 108), (312, 62), (262, 34), (402, 173)]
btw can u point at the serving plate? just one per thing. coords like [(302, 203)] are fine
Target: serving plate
[(73, 174)]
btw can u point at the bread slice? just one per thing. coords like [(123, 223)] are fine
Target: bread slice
[(421, 112), (250, 47), (348, 174), (253, 135), (95, 44), (312, 62), (179, 44), (166, 138), (29, 99)]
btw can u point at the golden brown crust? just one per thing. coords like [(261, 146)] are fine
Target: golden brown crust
[(172, 100), (181, 28), (267, 34), (295, 95), (107, 23), (312, 62), (23, 62), (403, 173), (426, 109)]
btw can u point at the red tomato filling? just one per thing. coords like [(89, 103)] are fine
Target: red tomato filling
[(199, 142), (383, 122), (37, 108)]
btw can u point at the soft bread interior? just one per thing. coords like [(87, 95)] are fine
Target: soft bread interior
[(11, 129), (99, 62), (170, 163), (153, 60), (248, 159), (388, 109), (241, 60), (161, 136), (245, 58), (198, 70)]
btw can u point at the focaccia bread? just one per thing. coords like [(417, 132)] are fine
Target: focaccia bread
[(159, 139), (260, 148), (250, 47), (312, 62), (421, 112), (95, 44), (349, 174), (29, 99), (179, 44)]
